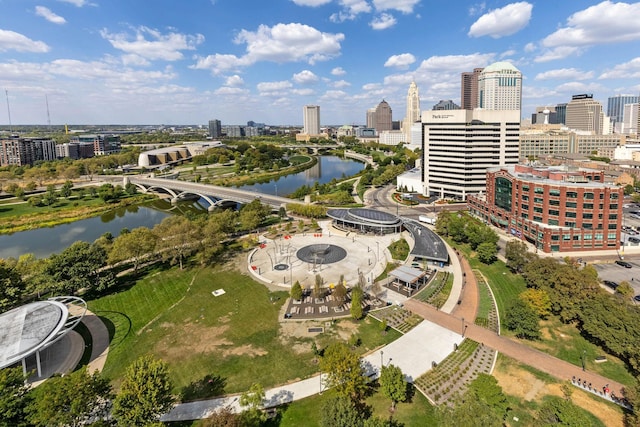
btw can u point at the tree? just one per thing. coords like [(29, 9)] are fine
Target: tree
[(558, 411), (488, 391), (224, 417), (356, 302), (625, 290), (517, 255), (79, 267), (65, 190), (12, 287), (296, 291), (145, 393), (73, 399), (340, 291), (177, 238), (487, 252), (393, 385), (340, 412), (135, 245), (522, 320), (343, 371), (253, 399), (317, 286), (14, 398), (538, 300)]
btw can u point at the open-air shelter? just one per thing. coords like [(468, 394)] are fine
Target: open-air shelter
[(408, 277)]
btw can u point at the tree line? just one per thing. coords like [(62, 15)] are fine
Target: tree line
[(91, 267)]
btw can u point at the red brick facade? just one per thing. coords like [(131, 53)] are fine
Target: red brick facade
[(554, 209)]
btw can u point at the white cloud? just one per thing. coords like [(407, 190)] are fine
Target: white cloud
[(628, 70), (371, 86), (502, 22), (456, 63), (235, 91), (78, 3), (338, 71), (351, 9), (10, 40), (559, 52), (305, 77), (234, 81), (340, 84), (312, 3), (507, 53), (578, 87), (565, 74), (165, 47), (303, 92), (404, 6), (273, 88), (383, 22), (334, 95), (606, 22), (133, 59), (401, 61), (47, 14), (530, 47), (280, 43), (477, 9)]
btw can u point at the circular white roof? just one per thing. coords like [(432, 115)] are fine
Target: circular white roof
[(29, 328), (500, 66)]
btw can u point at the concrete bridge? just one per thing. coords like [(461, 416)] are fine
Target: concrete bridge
[(215, 195)]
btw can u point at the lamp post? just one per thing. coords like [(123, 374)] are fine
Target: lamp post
[(462, 328), (584, 355), (381, 360), (378, 245)]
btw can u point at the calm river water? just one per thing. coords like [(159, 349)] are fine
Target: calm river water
[(46, 241)]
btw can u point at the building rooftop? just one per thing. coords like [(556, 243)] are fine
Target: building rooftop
[(523, 176), (500, 66)]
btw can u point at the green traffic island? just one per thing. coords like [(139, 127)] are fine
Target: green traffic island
[(449, 380)]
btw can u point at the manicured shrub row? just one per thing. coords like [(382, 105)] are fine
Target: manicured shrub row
[(429, 293), (487, 316), (449, 380), (397, 318)]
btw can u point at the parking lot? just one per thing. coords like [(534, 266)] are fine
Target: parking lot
[(617, 273)]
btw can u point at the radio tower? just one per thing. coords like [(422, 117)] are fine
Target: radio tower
[(46, 99), (6, 93)]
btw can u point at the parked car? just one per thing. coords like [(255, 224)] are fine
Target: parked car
[(622, 263), (612, 285), (634, 240)]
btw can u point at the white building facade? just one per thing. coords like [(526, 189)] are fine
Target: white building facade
[(459, 146), (500, 87), (311, 117)]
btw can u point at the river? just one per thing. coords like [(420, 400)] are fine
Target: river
[(45, 241)]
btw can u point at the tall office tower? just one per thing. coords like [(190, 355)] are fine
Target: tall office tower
[(459, 146), (413, 105), (469, 89), (383, 117), (615, 106), (371, 118), (561, 113), (584, 113), (631, 119), (215, 128), (500, 87), (311, 118)]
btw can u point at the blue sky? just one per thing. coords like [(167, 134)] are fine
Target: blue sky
[(185, 62)]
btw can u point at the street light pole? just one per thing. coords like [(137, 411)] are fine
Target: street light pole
[(381, 360), (462, 330), (584, 354)]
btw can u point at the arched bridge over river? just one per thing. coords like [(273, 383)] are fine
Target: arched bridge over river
[(213, 194)]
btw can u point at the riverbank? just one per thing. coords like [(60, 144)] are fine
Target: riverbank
[(22, 216), (262, 177)]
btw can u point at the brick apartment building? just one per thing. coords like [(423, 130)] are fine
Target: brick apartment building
[(557, 209)]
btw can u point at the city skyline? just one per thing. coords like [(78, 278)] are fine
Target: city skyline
[(99, 62)]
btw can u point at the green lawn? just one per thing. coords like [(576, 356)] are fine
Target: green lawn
[(234, 338), (307, 412), (399, 249)]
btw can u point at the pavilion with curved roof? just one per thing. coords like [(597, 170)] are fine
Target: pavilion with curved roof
[(29, 329), (363, 220)]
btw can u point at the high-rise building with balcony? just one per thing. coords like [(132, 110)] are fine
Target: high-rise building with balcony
[(26, 151)]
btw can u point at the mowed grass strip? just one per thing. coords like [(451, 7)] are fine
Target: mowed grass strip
[(174, 316)]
